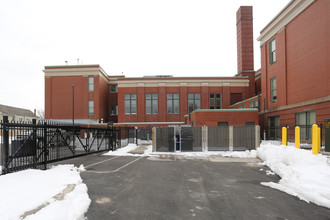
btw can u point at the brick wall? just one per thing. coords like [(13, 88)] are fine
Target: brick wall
[(162, 115), (233, 118)]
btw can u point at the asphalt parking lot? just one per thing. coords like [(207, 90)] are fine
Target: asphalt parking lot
[(180, 188)]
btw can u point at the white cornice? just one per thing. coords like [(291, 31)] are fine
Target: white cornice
[(282, 20), (76, 72), (180, 83)]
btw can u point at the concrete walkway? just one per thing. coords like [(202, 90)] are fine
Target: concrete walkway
[(139, 150)]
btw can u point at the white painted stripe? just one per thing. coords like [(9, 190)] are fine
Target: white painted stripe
[(100, 162), (116, 170)]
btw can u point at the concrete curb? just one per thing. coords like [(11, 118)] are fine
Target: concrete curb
[(60, 196)]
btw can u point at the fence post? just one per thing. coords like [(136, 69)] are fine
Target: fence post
[(257, 136), (119, 137), (314, 139), (206, 135), (321, 128), (154, 140), (136, 136), (34, 122), (87, 140), (5, 144), (318, 139), (297, 136), (45, 146), (231, 138), (284, 136)]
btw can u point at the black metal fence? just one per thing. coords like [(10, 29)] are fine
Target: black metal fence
[(191, 139), (131, 135), (165, 137), (33, 145)]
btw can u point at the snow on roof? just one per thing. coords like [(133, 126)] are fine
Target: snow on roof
[(9, 110)]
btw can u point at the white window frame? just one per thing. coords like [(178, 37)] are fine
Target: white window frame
[(90, 84), (90, 107)]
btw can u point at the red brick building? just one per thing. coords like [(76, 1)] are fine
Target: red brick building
[(142, 100), (295, 67), (291, 88), (224, 117), (91, 93), (99, 97)]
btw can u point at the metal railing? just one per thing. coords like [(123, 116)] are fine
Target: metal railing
[(34, 145)]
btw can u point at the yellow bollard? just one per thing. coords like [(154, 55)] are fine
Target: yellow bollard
[(318, 139), (297, 137), (284, 136), (314, 139)]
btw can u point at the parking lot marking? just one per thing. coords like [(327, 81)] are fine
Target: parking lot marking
[(116, 170), (100, 162)]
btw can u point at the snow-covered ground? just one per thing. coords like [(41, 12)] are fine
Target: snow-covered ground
[(303, 174), (125, 151), (27, 190), (148, 152)]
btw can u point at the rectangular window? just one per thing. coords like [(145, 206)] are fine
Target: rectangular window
[(113, 89), (215, 101), (222, 123), (273, 93), (90, 107), (90, 84), (274, 127), (114, 110), (242, 106), (253, 104), (272, 51), (305, 121), (152, 103), (130, 103), (172, 103), (194, 101)]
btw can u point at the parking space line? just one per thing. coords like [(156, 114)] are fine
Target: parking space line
[(116, 170), (100, 162)]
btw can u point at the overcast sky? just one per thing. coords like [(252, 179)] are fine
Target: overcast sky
[(136, 37)]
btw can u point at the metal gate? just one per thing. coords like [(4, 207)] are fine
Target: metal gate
[(244, 138), (32, 145), (165, 139), (191, 139), (218, 138)]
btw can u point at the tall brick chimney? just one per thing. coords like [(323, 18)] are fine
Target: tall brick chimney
[(245, 61)]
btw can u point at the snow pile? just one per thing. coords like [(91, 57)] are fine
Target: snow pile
[(27, 190), (303, 174), (240, 154)]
